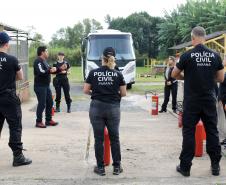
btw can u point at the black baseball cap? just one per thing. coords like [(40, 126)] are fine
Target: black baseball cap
[(4, 38), (61, 53), (109, 51)]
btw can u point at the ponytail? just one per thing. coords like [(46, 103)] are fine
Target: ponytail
[(110, 62)]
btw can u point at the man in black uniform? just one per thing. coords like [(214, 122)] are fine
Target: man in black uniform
[(61, 81), (202, 69), (170, 86), (10, 108), (106, 86), (42, 78)]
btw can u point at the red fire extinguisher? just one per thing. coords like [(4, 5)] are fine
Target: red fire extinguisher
[(180, 119), (107, 149), (53, 110), (154, 102)]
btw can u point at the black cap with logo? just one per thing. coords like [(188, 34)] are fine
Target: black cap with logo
[(109, 51), (4, 38)]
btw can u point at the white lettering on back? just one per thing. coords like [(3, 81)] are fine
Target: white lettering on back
[(203, 58), (3, 59)]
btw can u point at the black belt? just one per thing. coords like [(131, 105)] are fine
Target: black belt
[(7, 91)]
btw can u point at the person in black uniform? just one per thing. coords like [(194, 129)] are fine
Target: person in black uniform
[(42, 78), (61, 81), (202, 68), (222, 97), (106, 86), (170, 86), (10, 106)]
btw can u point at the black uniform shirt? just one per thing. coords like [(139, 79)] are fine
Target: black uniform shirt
[(105, 84), (58, 65), (42, 75), (9, 65), (222, 89), (200, 65)]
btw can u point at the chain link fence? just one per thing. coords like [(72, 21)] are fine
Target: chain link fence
[(19, 49)]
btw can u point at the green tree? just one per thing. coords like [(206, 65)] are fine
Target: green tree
[(176, 27), (144, 30), (71, 37), (69, 40), (36, 41)]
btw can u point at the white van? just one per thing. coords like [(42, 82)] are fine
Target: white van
[(94, 44)]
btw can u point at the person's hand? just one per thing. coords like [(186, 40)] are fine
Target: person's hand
[(168, 83), (225, 107), (53, 70), (63, 67), (63, 72)]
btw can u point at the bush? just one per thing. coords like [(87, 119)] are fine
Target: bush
[(140, 59), (73, 56)]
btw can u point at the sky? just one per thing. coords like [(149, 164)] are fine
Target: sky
[(48, 16)]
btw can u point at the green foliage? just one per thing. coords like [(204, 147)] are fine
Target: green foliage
[(140, 89), (177, 26), (73, 56), (71, 37), (140, 59), (36, 41), (32, 55), (143, 28), (67, 40), (152, 35)]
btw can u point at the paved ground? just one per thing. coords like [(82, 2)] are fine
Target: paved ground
[(150, 149)]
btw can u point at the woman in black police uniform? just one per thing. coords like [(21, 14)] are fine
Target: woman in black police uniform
[(106, 86), (61, 81)]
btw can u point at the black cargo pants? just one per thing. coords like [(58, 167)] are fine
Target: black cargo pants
[(104, 114), (193, 112), (10, 110), (173, 89), (62, 83)]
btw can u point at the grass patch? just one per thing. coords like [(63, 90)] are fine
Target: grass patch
[(140, 70), (140, 89), (80, 98), (77, 77), (74, 76), (153, 78), (157, 78)]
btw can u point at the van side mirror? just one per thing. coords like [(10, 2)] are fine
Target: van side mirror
[(84, 43)]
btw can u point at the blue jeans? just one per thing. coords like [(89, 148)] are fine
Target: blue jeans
[(104, 114), (45, 101)]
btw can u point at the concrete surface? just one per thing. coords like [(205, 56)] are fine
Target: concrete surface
[(150, 149)]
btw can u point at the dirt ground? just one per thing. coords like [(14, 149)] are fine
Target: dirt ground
[(150, 149)]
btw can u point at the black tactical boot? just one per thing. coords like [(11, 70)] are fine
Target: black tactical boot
[(68, 108), (183, 172), (20, 160), (57, 109), (117, 170), (99, 170), (162, 110), (215, 168)]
